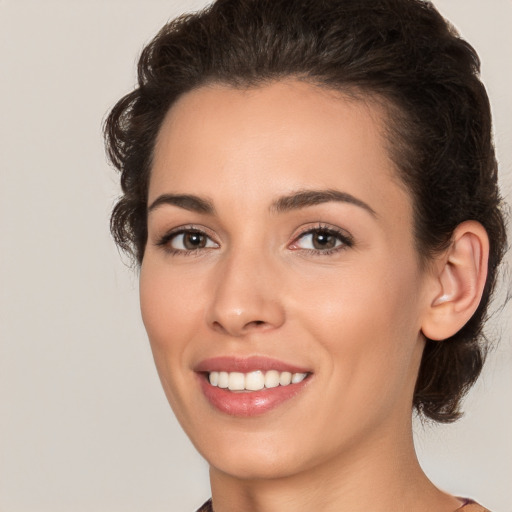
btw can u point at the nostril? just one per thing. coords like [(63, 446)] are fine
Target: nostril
[(255, 323), (242, 328)]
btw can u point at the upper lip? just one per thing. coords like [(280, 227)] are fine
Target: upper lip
[(247, 364)]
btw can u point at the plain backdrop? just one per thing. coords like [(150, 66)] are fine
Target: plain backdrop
[(84, 425)]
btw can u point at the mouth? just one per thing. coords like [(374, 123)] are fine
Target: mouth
[(255, 380), (252, 386)]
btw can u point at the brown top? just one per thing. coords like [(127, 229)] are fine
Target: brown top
[(207, 507), (469, 506)]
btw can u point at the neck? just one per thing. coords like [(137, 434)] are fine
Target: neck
[(383, 475)]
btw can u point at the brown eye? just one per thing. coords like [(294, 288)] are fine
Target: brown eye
[(194, 241), (191, 241), (323, 240)]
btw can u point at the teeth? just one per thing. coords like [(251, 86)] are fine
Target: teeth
[(272, 379), (298, 377), (223, 379), (285, 378), (254, 381), (236, 381), (214, 378)]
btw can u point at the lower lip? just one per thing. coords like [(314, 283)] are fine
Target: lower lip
[(251, 403)]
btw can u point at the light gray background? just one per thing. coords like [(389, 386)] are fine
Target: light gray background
[(84, 425)]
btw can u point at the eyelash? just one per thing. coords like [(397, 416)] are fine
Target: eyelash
[(165, 240), (341, 236)]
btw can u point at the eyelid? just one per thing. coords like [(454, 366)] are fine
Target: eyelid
[(165, 239), (342, 235)]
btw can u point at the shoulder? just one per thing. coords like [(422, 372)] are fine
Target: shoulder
[(471, 506)]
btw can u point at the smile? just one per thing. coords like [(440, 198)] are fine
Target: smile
[(250, 386), (255, 380)]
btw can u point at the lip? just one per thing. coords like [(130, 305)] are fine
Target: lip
[(247, 364), (253, 403)]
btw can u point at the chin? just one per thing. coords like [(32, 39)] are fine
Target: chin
[(257, 455), (254, 467)]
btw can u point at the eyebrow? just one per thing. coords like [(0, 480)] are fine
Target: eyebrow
[(295, 201), (305, 198), (186, 201)]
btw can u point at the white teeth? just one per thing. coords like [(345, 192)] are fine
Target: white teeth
[(254, 381), (285, 378), (236, 381), (298, 377), (223, 379), (272, 379)]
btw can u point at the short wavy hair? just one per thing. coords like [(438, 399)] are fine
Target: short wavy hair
[(401, 52)]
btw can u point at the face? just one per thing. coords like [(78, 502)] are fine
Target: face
[(280, 248)]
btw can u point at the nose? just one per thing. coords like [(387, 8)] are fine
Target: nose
[(246, 296)]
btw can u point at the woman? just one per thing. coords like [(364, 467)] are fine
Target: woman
[(310, 190)]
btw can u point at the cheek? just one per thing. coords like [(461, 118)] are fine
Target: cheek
[(170, 304), (363, 298), (170, 308), (367, 321), (171, 311)]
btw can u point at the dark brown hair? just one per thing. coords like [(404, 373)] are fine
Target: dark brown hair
[(400, 51)]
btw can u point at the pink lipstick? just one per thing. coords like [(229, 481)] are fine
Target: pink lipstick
[(250, 386)]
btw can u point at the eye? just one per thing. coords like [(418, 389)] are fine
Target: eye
[(188, 240), (322, 240)]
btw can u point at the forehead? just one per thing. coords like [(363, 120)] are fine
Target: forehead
[(271, 140)]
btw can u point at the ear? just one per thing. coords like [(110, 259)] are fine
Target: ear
[(458, 282)]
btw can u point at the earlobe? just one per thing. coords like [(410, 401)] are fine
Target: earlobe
[(460, 277)]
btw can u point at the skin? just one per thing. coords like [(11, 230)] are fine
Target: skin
[(258, 287)]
